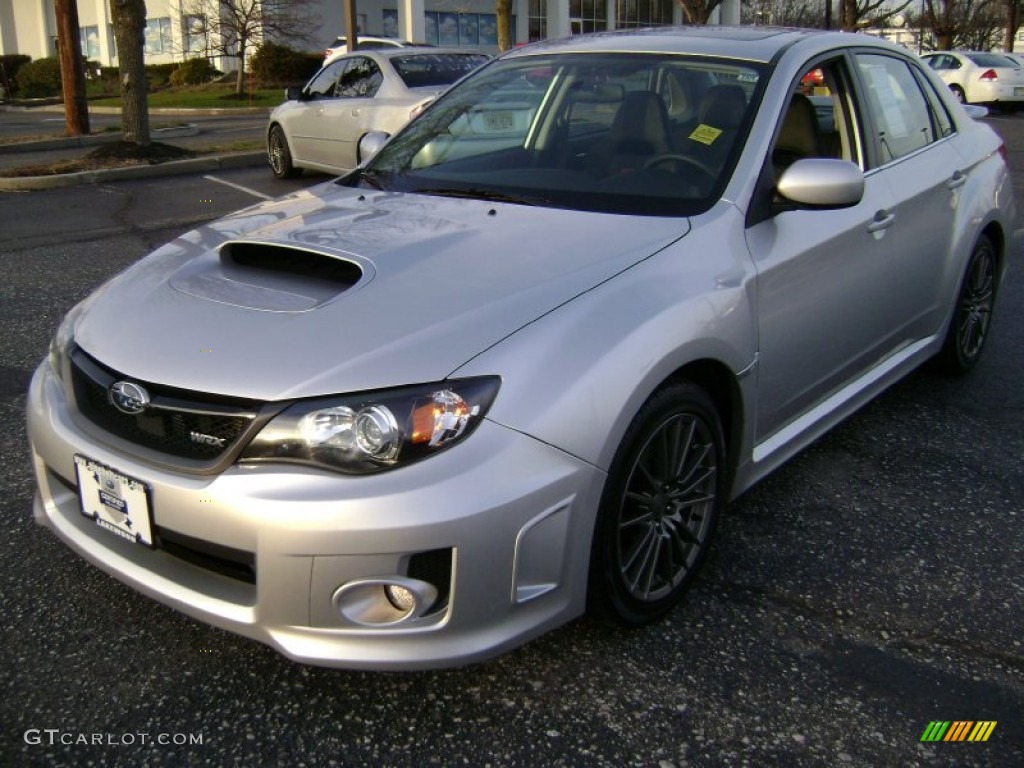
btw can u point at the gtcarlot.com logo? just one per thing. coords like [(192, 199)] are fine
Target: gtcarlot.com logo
[(53, 736), (958, 730)]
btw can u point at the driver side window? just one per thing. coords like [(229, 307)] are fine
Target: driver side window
[(322, 84)]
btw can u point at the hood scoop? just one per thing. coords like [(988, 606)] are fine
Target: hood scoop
[(271, 277)]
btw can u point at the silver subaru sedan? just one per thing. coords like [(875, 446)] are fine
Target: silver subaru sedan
[(514, 366)]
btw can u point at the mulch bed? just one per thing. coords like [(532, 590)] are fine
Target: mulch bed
[(117, 154)]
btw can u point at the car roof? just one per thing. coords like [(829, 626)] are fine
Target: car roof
[(759, 44), (412, 50)]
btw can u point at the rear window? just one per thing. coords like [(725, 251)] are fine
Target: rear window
[(990, 60), (436, 68)]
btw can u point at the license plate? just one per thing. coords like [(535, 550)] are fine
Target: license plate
[(1018, 91), (116, 502), (499, 121)]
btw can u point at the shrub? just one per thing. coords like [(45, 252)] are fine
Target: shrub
[(193, 72), (10, 63), (39, 78), (273, 63), (159, 75)]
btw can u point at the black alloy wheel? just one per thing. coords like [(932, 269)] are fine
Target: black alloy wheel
[(665, 489), (279, 156), (972, 314)]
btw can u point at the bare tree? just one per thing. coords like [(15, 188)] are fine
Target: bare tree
[(862, 14), (129, 17), (783, 13), (953, 22), (72, 73), (232, 27)]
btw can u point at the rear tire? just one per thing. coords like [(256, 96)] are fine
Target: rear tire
[(958, 92), (280, 156), (972, 315), (665, 489)]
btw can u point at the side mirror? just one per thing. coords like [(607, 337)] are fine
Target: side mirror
[(370, 145), (821, 183), (293, 93), (975, 111)]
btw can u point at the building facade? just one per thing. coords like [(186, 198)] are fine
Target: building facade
[(173, 34)]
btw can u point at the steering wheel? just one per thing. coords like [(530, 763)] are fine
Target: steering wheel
[(674, 157)]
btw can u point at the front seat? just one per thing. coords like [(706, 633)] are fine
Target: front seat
[(639, 132), (799, 137), (721, 108)]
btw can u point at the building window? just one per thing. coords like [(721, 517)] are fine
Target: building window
[(643, 13), (90, 42), (456, 29), (194, 33), (587, 16), (158, 35), (538, 20)]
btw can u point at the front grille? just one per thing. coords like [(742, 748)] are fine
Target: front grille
[(179, 423)]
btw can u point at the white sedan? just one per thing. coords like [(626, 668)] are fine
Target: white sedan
[(319, 126), (980, 77)]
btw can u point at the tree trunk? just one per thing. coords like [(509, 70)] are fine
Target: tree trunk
[(697, 11), (1012, 22), (848, 15), (72, 73), (240, 77), (503, 8), (129, 17)]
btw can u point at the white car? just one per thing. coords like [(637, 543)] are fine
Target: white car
[(319, 127), (980, 77)]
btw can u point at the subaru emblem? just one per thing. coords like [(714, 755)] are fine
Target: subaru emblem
[(128, 397)]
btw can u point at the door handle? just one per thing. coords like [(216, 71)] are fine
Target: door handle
[(882, 221), (355, 113), (958, 180)]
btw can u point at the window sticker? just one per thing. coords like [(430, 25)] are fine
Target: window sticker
[(890, 98), (705, 134)]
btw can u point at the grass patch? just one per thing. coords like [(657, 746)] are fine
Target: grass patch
[(218, 96)]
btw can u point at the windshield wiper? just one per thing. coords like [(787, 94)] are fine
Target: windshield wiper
[(489, 195), (373, 178)]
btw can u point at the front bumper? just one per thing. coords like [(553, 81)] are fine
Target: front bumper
[(514, 516)]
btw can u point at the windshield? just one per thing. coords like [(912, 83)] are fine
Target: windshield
[(655, 134), (433, 69)]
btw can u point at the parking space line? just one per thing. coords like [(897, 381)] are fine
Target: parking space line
[(240, 188)]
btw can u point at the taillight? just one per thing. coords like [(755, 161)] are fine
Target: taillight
[(989, 76)]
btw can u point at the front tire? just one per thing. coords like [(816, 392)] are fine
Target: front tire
[(280, 156), (665, 489), (972, 315)]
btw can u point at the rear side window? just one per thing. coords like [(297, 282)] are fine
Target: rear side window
[(902, 117), (362, 78), (435, 68)]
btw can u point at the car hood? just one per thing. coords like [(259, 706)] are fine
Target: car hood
[(338, 290)]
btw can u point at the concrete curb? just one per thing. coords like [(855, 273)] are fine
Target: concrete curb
[(174, 168), (67, 142)]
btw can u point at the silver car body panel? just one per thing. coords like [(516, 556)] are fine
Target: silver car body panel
[(802, 317)]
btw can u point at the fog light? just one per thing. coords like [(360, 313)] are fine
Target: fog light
[(400, 597), (386, 601)]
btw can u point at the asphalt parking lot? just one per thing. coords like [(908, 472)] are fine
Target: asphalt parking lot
[(869, 587)]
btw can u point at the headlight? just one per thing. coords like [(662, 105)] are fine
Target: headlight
[(371, 432), (60, 344)]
